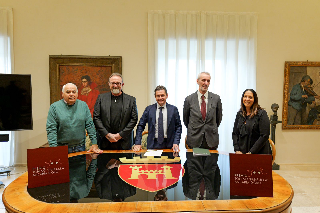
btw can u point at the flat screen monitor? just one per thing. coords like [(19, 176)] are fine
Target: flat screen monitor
[(15, 102)]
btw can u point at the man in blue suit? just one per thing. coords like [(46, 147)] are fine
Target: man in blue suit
[(164, 125)]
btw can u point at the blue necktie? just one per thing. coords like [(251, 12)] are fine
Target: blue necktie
[(160, 127)]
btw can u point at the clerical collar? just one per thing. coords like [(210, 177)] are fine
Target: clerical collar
[(116, 98)]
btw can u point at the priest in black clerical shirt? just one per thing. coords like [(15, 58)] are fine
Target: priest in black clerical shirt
[(115, 115)]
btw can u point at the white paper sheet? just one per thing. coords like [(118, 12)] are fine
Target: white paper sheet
[(153, 152)]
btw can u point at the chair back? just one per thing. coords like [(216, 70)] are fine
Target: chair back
[(185, 143), (274, 151), (144, 140)]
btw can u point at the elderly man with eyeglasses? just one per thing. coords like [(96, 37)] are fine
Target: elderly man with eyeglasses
[(115, 115)]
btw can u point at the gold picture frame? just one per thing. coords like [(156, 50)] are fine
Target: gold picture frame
[(301, 103), (71, 68)]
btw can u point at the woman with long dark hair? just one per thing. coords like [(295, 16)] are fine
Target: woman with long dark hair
[(251, 127)]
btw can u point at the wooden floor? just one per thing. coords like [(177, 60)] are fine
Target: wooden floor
[(17, 199)]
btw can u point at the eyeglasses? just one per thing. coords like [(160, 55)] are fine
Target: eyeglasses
[(116, 83)]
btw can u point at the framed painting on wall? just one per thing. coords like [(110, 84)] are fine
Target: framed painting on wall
[(89, 73), (301, 100)]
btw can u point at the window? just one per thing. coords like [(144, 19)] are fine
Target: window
[(183, 44)]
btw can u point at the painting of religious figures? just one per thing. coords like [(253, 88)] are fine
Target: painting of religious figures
[(301, 100), (89, 73)]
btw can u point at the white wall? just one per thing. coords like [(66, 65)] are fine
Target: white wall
[(288, 30)]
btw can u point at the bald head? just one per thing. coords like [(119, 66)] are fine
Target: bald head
[(70, 93)]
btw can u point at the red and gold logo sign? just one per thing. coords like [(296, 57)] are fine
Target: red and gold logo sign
[(150, 177)]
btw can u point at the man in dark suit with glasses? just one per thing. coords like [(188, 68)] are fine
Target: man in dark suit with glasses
[(115, 115)]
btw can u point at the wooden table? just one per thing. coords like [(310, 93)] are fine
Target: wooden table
[(16, 199)]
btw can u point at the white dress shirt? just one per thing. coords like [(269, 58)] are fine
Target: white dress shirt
[(164, 112)]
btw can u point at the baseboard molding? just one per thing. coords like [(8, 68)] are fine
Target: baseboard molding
[(20, 164)]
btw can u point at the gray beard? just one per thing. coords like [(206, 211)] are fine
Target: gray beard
[(115, 91)]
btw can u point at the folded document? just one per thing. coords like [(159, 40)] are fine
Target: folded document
[(201, 152), (153, 152)]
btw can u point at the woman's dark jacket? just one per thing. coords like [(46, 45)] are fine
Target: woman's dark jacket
[(252, 134)]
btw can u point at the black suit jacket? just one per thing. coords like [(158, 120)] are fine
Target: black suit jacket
[(252, 134), (129, 118), (196, 126)]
